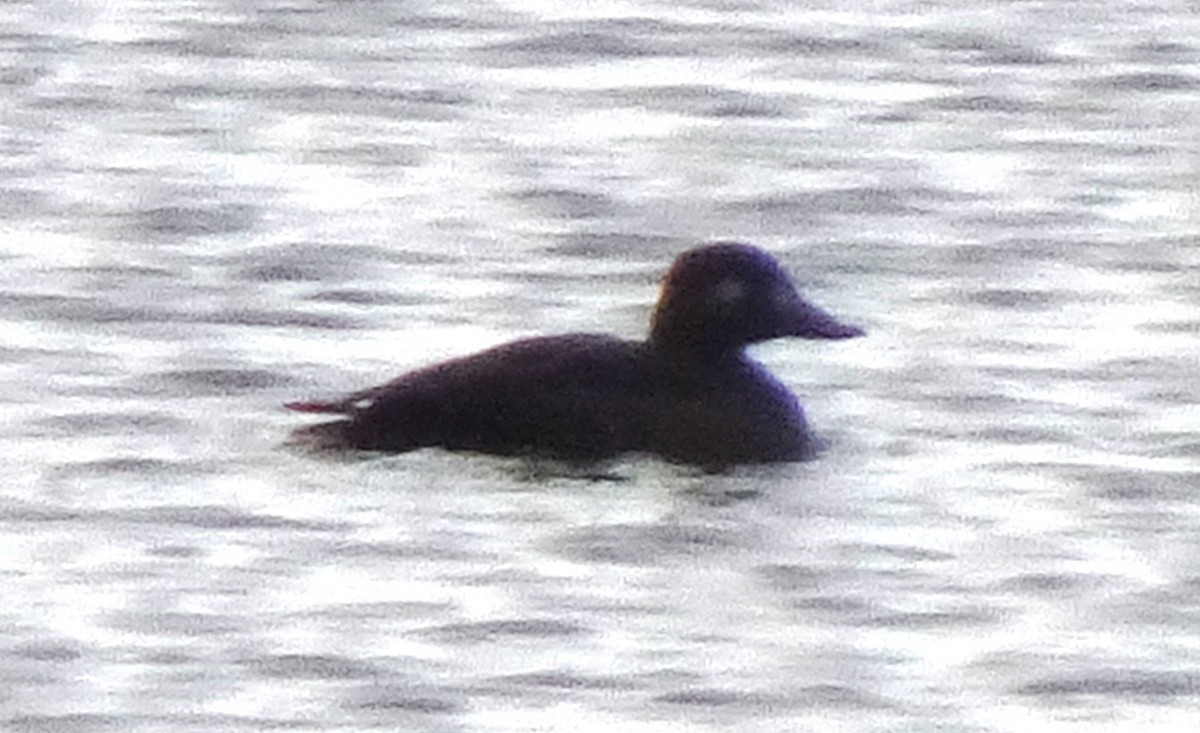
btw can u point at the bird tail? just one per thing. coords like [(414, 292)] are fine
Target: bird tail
[(319, 407), (322, 437)]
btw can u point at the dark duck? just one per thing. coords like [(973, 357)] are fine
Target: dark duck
[(688, 393)]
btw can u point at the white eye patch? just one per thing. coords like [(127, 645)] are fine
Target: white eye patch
[(783, 298), (728, 292)]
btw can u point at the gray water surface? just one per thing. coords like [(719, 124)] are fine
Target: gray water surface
[(210, 208)]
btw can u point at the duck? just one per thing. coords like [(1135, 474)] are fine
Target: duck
[(688, 393)]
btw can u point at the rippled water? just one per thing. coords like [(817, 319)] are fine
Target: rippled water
[(210, 208)]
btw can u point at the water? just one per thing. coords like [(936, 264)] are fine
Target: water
[(210, 208)]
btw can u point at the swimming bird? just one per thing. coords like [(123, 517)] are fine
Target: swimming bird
[(688, 393)]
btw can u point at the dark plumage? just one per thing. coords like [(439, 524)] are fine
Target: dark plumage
[(688, 393)]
